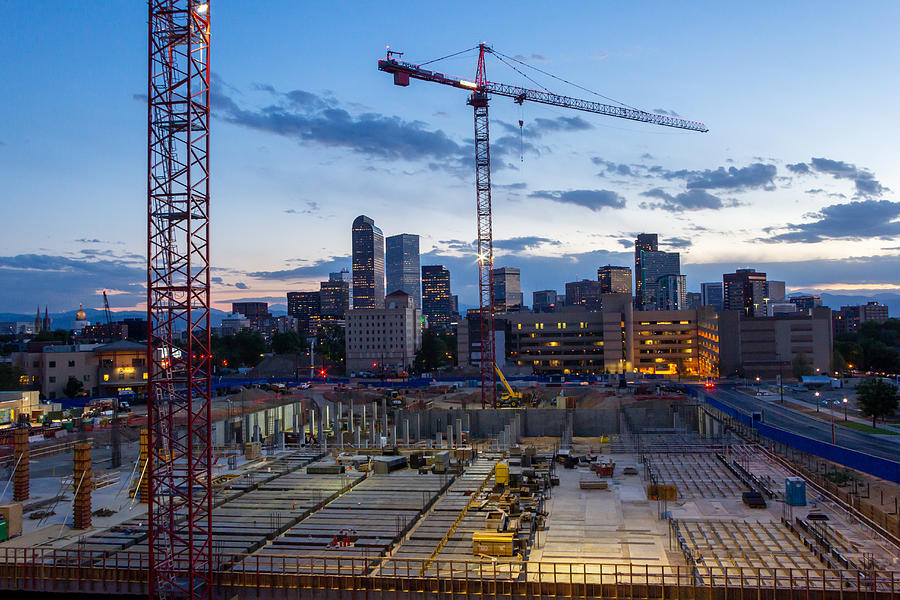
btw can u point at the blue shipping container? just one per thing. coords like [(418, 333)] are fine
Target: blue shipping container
[(795, 491)]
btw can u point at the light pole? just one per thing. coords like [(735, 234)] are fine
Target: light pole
[(757, 386), (845, 409), (817, 401), (832, 426)]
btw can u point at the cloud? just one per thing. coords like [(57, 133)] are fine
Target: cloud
[(754, 176), (612, 167), (539, 127), (689, 200), (799, 168), (595, 200), (662, 111), (858, 220), (677, 242), (599, 56), (62, 282), (520, 244), (626, 243), (309, 118), (864, 181), (519, 185), (533, 57), (240, 285), (311, 208), (320, 268)]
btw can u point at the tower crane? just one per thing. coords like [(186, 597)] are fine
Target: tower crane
[(481, 89)]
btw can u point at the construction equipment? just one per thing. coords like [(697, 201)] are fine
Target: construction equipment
[(510, 398), (179, 354), (106, 309), (480, 90)]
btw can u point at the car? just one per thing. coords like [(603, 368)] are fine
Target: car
[(305, 385)]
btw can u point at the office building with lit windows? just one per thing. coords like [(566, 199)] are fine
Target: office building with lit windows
[(437, 301), (614, 280), (645, 242), (384, 340), (368, 264), (401, 264)]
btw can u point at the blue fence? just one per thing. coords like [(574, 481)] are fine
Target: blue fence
[(873, 465)]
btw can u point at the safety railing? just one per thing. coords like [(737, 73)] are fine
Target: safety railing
[(34, 568)]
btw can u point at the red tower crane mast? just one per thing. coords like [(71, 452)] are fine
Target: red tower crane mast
[(480, 90), (178, 301)]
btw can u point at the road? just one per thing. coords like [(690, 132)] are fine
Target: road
[(776, 415)]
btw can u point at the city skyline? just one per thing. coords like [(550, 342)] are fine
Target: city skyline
[(347, 142)]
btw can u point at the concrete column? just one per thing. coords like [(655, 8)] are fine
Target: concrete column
[(279, 437), (351, 425), (372, 433), (406, 432), (450, 439), (357, 433), (507, 432), (418, 425), (362, 421), (312, 422), (374, 413), (256, 433), (384, 415), (438, 442), (459, 433), (296, 423), (393, 440), (322, 426), (326, 418)]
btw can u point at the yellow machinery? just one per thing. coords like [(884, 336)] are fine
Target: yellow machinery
[(510, 397), (501, 473), (492, 543)]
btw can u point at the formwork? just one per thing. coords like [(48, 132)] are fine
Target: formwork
[(81, 477), (21, 476)]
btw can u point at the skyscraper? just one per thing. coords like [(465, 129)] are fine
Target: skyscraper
[(401, 260), (368, 264), (671, 293), (584, 293), (543, 301), (335, 297), (437, 302), (614, 280), (711, 294), (344, 275), (655, 265), (305, 307), (507, 288), (745, 289), (645, 242)]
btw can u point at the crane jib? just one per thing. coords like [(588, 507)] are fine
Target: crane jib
[(403, 71)]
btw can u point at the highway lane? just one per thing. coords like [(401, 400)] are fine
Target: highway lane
[(777, 415)]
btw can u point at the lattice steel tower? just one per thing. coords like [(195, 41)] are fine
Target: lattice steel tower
[(178, 300)]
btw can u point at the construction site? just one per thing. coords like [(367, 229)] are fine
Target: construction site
[(370, 500), (575, 495)]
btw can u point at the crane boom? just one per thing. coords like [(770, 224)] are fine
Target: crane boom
[(481, 89), (404, 71)]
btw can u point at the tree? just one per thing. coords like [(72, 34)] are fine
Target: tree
[(801, 366), (330, 344), (73, 387), (57, 335), (838, 363), (10, 377), (289, 342), (876, 398), (242, 349), (437, 351)]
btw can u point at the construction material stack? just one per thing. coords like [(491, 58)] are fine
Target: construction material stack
[(21, 479), (83, 486)]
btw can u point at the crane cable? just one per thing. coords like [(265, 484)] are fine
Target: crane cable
[(590, 91), (448, 56)]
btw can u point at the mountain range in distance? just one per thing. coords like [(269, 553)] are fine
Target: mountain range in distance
[(66, 320)]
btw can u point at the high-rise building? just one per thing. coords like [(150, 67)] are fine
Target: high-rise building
[(806, 303), (335, 299), (384, 340), (584, 293), (543, 301), (711, 294), (305, 307), (507, 289), (344, 275), (692, 300), (437, 302), (745, 290), (775, 291), (645, 242), (849, 318), (401, 263), (614, 280), (655, 265), (368, 264), (255, 311), (671, 293)]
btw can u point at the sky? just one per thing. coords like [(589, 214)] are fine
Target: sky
[(796, 176)]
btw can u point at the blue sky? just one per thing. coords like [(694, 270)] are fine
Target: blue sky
[(796, 176)]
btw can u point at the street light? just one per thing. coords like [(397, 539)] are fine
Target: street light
[(845, 409), (757, 386), (817, 401)]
